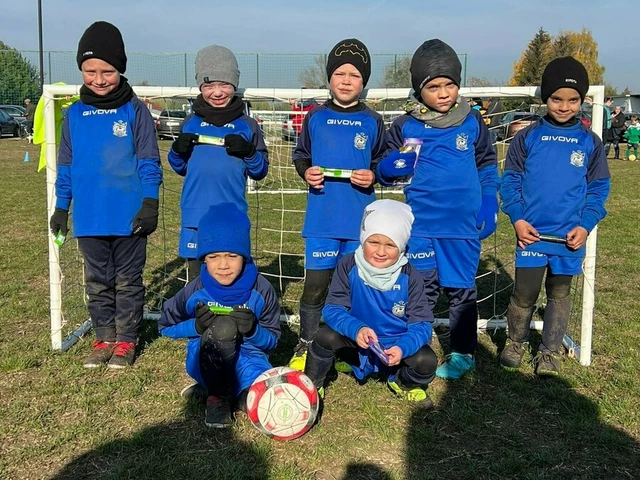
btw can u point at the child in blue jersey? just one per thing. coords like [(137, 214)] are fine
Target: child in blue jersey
[(555, 183), (452, 192), (215, 173), (376, 295), (342, 133), (109, 165), (225, 353)]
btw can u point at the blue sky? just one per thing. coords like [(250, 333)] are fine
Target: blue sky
[(493, 33)]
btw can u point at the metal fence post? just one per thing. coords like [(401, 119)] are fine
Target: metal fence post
[(257, 70), (185, 69)]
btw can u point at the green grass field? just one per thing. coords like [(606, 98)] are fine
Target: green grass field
[(58, 420)]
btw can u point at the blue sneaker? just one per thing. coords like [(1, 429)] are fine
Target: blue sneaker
[(456, 366)]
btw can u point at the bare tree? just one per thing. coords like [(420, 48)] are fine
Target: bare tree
[(396, 74), (481, 82), (315, 76)]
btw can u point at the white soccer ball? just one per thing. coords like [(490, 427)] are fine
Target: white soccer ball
[(283, 403)]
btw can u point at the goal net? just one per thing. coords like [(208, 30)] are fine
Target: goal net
[(277, 207)]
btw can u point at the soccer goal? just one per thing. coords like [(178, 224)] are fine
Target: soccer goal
[(277, 207)]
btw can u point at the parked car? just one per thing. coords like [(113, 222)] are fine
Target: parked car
[(169, 123), (292, 127), (15, 111), (9, 125), (513, 122), (585, 118)]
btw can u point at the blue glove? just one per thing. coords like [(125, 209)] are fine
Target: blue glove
[(487, 221), (397, 164)]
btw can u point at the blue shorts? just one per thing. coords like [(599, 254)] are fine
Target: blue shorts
[(324, 253), (558, 265), (188, 246), (455, 259)]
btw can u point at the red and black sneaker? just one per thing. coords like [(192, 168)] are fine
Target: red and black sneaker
[(217, 413), (102, 352), (124, 353)]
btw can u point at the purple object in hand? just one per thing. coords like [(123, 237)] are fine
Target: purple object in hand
[(378, 349)]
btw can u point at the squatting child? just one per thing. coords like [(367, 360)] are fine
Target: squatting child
[(225, 352), (376, 295)]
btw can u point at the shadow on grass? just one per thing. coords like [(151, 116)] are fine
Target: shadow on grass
[(501, 424), (185, 449), (365, 471)]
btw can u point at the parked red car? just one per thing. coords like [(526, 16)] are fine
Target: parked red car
[(585, 118), (292, 127)]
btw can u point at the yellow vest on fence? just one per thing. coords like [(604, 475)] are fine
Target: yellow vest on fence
[(39, 134)]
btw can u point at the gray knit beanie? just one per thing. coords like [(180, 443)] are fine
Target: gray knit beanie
[(217, 64), (434, 59)]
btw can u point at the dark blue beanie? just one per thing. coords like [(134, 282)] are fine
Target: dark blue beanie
[(224, 228)]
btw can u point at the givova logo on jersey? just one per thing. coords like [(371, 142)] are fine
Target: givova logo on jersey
[(577, 158), (120, 128), (360, 141)]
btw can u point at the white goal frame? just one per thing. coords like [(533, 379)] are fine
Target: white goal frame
[(51, 92)]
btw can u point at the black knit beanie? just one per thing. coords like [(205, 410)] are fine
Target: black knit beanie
[(351, 51), (104, 41), (434, 59), (564, 72)]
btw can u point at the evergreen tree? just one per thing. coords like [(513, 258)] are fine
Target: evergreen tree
[(529, 67), (18, 78)]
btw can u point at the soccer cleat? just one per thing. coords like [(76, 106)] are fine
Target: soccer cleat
[(100, 355), (321, 392), (343, 367), (124, 353), (299, 358), (546, 364), (511, 357), (217, 413), (417, 395), (194, 390), (456, 365)]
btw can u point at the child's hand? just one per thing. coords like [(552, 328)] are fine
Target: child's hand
[(314, 177), (576, 238), (146, 220), (184, 144), (363, 178), (525, 233), (59, 221), (245, 320), (363, 336), (397, 164), (237, 146), (395, 355), (204, 317)]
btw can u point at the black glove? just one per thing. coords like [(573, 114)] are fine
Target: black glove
[(146, 220), (204, 317), (245, 320), (237, 146), (59, 221), (183, 145)]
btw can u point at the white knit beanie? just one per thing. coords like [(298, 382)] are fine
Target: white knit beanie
[(390, 218)]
